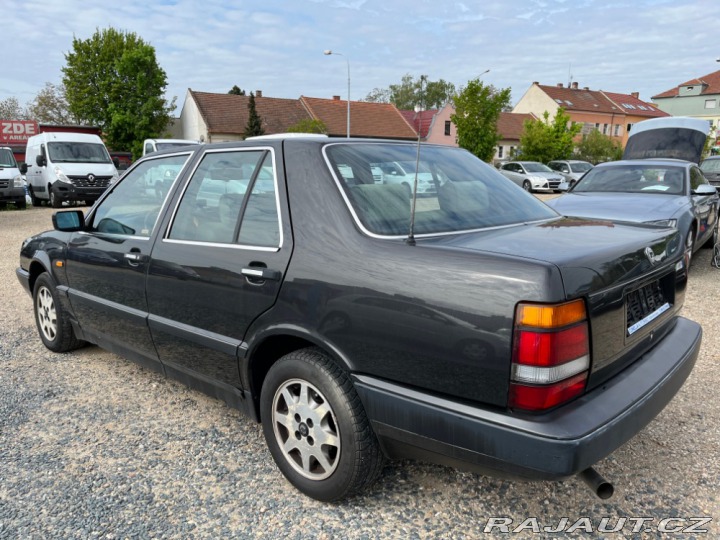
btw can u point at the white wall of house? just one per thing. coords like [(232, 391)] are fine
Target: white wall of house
[(191, 122), (505, 149), (536, 101)]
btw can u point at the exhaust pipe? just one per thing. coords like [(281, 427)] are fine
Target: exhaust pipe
[(601, 487)]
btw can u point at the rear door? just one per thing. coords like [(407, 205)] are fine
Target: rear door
[(221, 261)]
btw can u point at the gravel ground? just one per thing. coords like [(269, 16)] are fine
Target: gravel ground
[(93, 446)]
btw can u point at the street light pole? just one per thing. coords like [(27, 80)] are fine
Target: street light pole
[(329, 52)]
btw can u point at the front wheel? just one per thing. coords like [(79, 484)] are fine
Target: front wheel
[(689, 247), (527, 186), (52, 320), (316, 428), (55, 201), (710, 242)]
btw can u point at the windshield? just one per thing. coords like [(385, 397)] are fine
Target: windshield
[(633, 179), (711, 165), (77, 152), (169, 145), (580, 167), (466, 193), (7, 160), (536, 167)]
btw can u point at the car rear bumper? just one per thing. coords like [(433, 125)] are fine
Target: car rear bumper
[(555, 445)]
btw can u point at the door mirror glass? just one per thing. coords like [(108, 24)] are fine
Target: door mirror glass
[(68, 221)]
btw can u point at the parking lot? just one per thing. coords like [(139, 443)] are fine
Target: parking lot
[(94, 446)]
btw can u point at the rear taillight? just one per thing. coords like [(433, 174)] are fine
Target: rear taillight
[(551, 355)]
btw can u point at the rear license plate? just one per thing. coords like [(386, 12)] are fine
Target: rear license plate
[(644, 305)]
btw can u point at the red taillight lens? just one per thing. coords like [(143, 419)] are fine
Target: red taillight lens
[(551, 355)]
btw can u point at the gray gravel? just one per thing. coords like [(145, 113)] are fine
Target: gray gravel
[(93, 446)]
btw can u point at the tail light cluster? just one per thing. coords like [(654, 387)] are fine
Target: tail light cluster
[(551, 355)]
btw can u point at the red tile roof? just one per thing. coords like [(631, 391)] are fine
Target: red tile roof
[(712, 80), (510, 125), (634, 106), (580, 99), (376, 120), (420, 120), (228, 113)]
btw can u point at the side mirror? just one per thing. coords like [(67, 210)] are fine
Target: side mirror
[(69, 221), (704, 189), (40, 160), (23, 168), (116, 162)]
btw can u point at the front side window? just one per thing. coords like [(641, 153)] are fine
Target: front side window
[(456, 190), (78, 152), (230, 199), (133, 204), (696, 178)]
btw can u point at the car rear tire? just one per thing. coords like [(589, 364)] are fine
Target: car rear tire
[(316, 427), (52, 320), (527, 186)]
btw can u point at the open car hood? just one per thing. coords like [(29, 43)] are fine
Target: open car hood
[(674, 137)]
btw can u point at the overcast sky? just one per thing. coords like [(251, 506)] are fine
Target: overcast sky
[(276, 46)]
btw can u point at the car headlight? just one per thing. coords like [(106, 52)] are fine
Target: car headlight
[(18, 181), (61, 176), (663, 222), (114, 178)]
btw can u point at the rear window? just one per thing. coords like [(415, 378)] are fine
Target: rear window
[(456, 190)]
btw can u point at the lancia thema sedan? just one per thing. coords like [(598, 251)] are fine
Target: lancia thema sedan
[(474, 326)]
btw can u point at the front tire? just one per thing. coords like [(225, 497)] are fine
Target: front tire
[(52, 320), (316, 428), (527, 186), (55, 201), (689, 247)]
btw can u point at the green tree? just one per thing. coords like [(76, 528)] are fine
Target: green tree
[(236, 90), (597, 148), (113, 80), (50, 106), (543, 140), (254, 123), (10, 109), (308, 125), (477, 109), (413, 91)]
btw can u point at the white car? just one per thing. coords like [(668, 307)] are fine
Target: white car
[(571, 169), (531, 175), (403, 173)]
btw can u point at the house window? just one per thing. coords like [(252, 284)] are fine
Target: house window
[(710, 103), (512, 151), (605, 129), (500, 152), (629, 126), (447, 127), (597, 126), (617, 130)]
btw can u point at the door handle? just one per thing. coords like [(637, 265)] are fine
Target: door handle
[(259, 273), (135, 258)]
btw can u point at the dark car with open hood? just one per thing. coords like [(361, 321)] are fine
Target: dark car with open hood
[(473, 326)]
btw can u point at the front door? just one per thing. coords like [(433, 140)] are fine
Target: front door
[(107, 262)]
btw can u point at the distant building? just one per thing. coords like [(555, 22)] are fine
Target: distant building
[(510, 127)]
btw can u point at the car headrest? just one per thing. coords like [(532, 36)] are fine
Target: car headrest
[(463, 197)]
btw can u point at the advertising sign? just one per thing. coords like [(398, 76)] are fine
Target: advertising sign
[(17, 132)]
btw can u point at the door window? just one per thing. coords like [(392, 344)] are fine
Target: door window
[(696, 178), (133, 205), (230, 199)]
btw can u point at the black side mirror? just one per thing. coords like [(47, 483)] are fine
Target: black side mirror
[(116, 162), (69, 221), (40, 160), (23, 168)]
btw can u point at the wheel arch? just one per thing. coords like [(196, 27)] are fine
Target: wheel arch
[(37, 267)]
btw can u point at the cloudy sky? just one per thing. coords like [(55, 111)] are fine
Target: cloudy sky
[(276, 46)]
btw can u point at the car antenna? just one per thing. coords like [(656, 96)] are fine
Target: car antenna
[(410, 241)]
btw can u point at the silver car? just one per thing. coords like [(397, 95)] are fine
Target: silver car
[(570, 169), (531, 175)]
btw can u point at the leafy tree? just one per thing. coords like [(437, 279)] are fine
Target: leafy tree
[(10, 109), (413, 91), (113, 80), (236, 91), (308, 125), (254, 124), (597, 148), (50, 106), (543, 140), (477, 109)]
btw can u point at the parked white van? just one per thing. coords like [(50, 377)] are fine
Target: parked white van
[(12, 184), (67, 167)]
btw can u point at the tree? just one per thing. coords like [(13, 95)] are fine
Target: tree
[(235, 90), (254, 124), (10, 109), (543, 141), (113, 80), (308, 125), (477, 109), (50, 106), (411, 92), (597, 148)]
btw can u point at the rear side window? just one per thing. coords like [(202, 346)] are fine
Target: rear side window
[(456, 190), (230, 199)]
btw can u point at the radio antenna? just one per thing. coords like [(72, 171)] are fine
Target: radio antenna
[(418, 112)]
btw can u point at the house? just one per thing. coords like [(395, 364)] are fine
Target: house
[(510, 127), (421, 121), (211, 117), (594, 109), (699, 98)]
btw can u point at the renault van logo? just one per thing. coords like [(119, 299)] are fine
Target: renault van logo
[(91, 178), (650, 254)]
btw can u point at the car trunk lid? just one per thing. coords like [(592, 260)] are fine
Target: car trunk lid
[(675, 137)]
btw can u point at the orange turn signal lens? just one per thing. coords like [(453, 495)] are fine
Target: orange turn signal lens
[(551, 316)]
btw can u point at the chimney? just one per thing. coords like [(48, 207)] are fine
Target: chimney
[(586, 88), (574, 86), (336, 98), (559, 85), (636, 95), (258, 93), (536, 82)]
